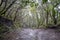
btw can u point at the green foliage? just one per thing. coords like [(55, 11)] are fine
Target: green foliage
[(27, 2), (50, 11), (47, 12), (24, 3), (33, 7), (44, 1), (50, 7), (33, 4)]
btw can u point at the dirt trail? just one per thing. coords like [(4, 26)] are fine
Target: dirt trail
[(33, 34)]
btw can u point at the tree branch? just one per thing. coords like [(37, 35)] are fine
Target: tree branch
[(8, 7), (4, 6), (1, 2)]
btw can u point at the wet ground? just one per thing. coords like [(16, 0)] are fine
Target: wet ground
[(32, 34)]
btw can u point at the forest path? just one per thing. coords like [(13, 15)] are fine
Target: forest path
[(33, 34)]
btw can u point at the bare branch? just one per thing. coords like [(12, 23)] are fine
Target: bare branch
[(1, 2), (4, 6), (8, 7)]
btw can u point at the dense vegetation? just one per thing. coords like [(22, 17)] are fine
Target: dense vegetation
[(29, 14)]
